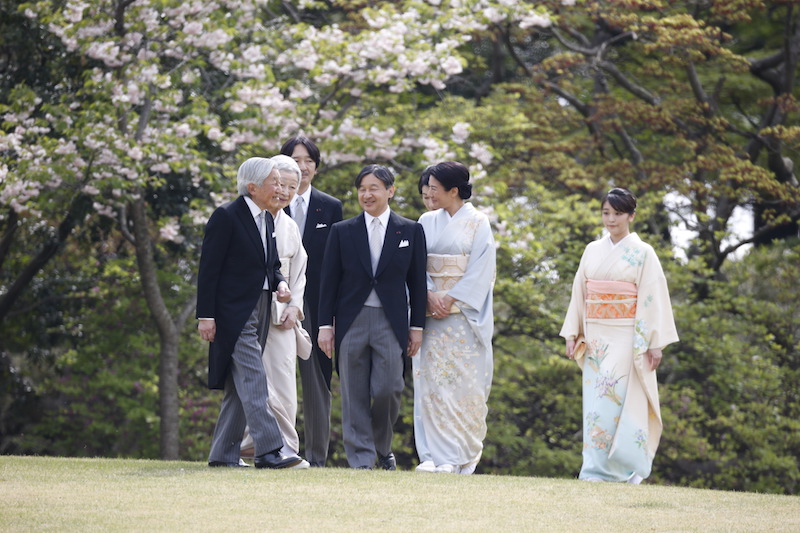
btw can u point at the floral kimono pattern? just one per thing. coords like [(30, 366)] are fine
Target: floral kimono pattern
[(453, 371)]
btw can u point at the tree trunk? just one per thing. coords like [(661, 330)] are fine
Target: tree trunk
[(168, 331)]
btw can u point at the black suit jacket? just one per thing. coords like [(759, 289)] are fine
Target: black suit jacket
[(323, 212), (230, 279), (399, 280)]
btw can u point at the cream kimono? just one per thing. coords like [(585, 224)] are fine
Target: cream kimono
[(621, 304), (453, 370), (280, 352)]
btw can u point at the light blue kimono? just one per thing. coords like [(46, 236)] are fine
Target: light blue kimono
[(453, 371)]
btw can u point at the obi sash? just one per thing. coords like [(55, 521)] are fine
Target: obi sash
[(445, 270), (610, 299)]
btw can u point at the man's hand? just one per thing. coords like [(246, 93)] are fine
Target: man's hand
[(289, 317), (414, 341), (207, 329), (325, 340), (284, 294)]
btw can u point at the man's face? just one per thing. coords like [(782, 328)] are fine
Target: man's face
[(308, 168), (373, 196), (268, 195)]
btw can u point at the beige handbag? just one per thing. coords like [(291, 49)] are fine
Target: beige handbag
[(277, 311), (303, 340), (580, 348)]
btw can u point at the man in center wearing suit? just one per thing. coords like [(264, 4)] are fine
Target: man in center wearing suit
[(315, 212), (373, 271)]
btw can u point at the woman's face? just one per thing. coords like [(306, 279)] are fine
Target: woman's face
[(426, 198), (439, 197), (290, 184), (617, 224)]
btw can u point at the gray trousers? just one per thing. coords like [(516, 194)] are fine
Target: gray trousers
[(316, 404), (371, 377), (245, 397)]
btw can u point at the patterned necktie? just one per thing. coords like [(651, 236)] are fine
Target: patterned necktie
[(375, 243), (300, 214), (261, 223)]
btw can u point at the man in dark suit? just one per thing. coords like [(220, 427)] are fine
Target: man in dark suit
[(315, 212), (374, 269), (239, 269)]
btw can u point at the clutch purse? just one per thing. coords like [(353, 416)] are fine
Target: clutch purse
[(277, 311), (303, 340), (580, 348)]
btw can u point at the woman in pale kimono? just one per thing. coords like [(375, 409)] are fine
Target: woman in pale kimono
[(621, 309), (281, 348), (453, 370)]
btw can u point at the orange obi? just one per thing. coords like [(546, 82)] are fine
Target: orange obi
[(610, 299)]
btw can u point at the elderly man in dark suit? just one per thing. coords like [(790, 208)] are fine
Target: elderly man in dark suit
[(239, 270), (315, 212), (373, 272)]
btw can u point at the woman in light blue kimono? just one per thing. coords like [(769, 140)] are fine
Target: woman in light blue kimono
[(453, 371), (621, 307)]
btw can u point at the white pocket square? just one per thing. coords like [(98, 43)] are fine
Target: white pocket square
[(321, 225), (403, 243), (273, 234)]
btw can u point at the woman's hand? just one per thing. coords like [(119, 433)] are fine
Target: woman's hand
[(439, 306), (570, 350), (289, 317), (654, 357)]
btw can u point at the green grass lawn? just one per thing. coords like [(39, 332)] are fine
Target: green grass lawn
[(60, 494)]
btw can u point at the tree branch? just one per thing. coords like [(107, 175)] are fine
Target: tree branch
[(627, 84), (79, 205), (709, 108)]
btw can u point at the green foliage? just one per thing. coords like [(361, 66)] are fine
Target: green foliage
[(662, 97), (729, 392)]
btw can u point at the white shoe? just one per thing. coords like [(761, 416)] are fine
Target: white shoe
[(446, 469), (242, 463), (426, 466), (302, 465), (635, 479), (468, 469)]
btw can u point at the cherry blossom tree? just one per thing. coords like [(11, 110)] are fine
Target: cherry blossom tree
[(183, 91)]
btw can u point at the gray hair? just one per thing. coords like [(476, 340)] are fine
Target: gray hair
[(255, 170), (284, 162)]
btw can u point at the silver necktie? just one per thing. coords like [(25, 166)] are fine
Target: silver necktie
[(375, 243), (300, 214)]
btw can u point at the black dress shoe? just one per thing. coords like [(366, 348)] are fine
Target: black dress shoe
[(387, 462), (276, 460), (231, 465)]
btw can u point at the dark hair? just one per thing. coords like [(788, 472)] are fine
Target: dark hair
[(621, 200), (424, 178), (313, 151), (453, 174), (379, 171)]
